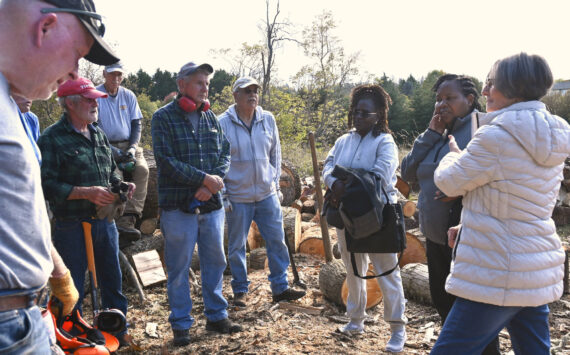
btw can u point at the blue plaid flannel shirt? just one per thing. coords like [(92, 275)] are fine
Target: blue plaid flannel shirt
[(184, 156)]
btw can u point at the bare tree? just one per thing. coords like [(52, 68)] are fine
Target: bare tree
[(275, 32)]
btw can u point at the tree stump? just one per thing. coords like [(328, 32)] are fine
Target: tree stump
[(415, 249), (373, 292), (415, 280), (258, 259), (331, 279), (289, 183), (150, 209)]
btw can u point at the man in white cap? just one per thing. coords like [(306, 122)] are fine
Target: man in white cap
[(192, 156), (120, 118), (77, 170), (252, 186), (42, 42)]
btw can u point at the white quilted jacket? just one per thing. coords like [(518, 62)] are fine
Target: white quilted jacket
[(508, 252)]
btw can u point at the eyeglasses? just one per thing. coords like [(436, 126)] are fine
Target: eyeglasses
[(95, 19), (364, 114), (489, 82)]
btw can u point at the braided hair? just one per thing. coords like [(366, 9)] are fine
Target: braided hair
[(466, 84), (381, 100)]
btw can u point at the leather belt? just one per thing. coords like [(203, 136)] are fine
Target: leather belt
[(8, 303)]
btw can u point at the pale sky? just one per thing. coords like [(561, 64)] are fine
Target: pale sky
[(395, 37)]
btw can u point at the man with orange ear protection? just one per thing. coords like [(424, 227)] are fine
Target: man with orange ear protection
[(193, 157)]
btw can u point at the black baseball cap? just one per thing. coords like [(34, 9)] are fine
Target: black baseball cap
[(100, 52)]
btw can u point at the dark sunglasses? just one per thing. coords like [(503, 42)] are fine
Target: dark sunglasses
[(95, 19)]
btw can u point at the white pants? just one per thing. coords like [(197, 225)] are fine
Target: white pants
[(391, 285)]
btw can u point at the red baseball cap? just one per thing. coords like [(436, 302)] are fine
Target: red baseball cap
[(81, 86)]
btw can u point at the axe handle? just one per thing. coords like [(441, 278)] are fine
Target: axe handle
[(89, 251)]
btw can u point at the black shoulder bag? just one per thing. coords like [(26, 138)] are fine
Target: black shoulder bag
[(391, 238)]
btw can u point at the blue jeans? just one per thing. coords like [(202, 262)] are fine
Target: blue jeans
[(181, 233), (470, 326), (268, 216), (22, 331), (69, 241)]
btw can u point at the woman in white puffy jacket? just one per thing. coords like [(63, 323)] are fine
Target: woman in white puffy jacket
[(507, 258)]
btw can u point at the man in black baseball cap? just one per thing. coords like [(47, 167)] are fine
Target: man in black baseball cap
[(100, 52), (42, 42)]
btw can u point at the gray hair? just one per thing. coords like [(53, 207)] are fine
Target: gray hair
[(522, 76), (62, 100), (186, 77)]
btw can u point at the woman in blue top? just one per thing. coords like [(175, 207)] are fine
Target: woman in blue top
[(456, 105)]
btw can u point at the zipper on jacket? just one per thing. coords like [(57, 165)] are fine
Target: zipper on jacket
[(440, 148)]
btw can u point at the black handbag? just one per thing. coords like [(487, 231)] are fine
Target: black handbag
[(390, 239), (331, 213)]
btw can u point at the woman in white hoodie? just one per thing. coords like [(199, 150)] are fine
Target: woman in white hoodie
[(507, 258), (369, 146)]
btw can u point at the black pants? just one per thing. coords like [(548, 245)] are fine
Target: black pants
[(439, 263)]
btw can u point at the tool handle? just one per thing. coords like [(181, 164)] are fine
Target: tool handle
[(319, 193), (89, 250)]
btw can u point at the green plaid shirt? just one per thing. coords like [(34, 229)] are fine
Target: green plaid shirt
[(184, 156), (70, 159)]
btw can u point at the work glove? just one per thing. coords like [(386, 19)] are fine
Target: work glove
[(115, 209), (64, 289)]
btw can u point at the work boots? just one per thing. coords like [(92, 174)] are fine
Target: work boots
[(127, 231)]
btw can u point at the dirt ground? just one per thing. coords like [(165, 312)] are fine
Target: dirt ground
[(272, 329)]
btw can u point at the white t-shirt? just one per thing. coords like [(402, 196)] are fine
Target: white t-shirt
[(116, 113)]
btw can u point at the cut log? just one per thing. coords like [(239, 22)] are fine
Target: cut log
[(148, 226), (254, 239), (411, 223), (309, 206), (415, 250), (258, 259), (307, 217), (331, 278), (150, 209), (297, 204), (403, 187), (289, 183), (292, 226), (373, 292), (408, 207), (416, 283), (311, 241)]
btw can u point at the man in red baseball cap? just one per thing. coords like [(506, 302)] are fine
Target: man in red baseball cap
[(77, 170), (42, 42)]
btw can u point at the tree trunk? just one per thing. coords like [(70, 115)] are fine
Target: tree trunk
[(258, 259), (373, 292), (289, 183), (416, 283), (331, 279), (408, 207), (292, 226), (311, 241), (254, 239), (148, 226), (332, 283)]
